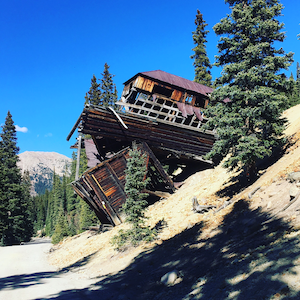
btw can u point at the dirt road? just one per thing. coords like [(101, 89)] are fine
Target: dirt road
[(26, 275)]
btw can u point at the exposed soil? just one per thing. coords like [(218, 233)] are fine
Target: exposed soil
[(248, 250)]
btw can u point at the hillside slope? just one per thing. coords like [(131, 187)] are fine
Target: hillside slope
[(248, 250)]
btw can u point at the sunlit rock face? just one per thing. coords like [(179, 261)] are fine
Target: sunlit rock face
[(41, 166)]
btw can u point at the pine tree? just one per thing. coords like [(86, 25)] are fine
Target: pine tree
[(15, 222), (134, 207), (108, 89), (93, 96), (40, 204), (297, 85), (87, 216), (60, 209), (294, 93), (31, 210), (201, 60), (61, 228), (103, 93), (135, 183), (3, 199), (249, 126)]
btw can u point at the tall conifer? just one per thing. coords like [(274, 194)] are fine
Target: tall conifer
[(252, 91), (201, 60), (93, 96), (108, 89), (15, 221), (136, 202)]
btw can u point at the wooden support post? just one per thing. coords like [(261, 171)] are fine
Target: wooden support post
[(159, 167), (78, 156)]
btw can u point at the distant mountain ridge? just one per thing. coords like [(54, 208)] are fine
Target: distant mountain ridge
[(41, 166)]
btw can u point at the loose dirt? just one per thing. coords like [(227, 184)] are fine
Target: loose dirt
[(248, 250)]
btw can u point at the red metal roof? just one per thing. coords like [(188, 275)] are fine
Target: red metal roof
[(176, 81)]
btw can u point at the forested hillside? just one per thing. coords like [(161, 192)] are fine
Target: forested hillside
[(60, 212)]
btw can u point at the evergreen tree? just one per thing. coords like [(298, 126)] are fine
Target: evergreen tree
[(61, 228), (135, 204), (57, 196), (72, 198), (294, 94), (298, 81), (108, 89), (201, 60), (61, 210), (103, 93), (40, 204), (49, 222), (3, 199), (64, 195), (31, 210), (15, 222), (93, 96), (87, 216), (253, 91)]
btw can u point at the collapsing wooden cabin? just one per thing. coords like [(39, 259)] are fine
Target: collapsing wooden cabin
[(162, 111), (102, 187)]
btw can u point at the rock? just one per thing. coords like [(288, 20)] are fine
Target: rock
[(294, 176), (250, 195), (200, 208), (294, 190), (41, 166), (170, 278)]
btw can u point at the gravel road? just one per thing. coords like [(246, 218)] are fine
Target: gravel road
[(26, 275)]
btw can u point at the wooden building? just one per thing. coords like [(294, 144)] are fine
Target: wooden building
[(166, 97), (102, 187), (162, 112), (161, 109)]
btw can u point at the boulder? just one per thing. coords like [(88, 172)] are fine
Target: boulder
[(170, 278), (294, 190), (294, 176)]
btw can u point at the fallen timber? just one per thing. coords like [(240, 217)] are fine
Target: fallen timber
[(102, 187)]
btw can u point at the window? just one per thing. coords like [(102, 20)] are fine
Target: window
[(200, 102), (189, 99), (161, 90)]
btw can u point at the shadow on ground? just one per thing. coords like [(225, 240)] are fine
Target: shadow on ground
[(246, 258), (26, 280)]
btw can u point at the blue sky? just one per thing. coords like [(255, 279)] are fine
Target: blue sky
[(49, 51)]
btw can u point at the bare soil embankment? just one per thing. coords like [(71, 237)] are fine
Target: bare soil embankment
[(248, 250)]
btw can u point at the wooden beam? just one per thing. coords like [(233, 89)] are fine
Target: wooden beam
[(159, 167), (115, 178), (101, 194)]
